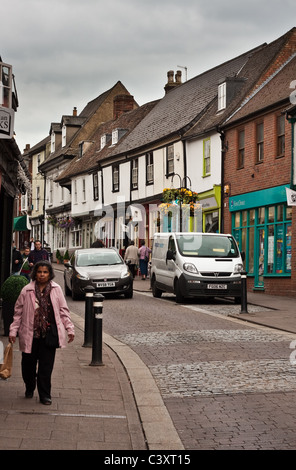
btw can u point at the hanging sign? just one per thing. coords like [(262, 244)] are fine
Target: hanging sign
[(6, 123)]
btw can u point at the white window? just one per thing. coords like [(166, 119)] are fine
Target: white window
[(52, 148), (37, 197), (149, 168), (75, 192), (115, 178), (64, 136), (76, 236), (135, 174), (24, 202), (114, 137), (222, 96), (103, 141), (83, 191), (170, 159), (50, 199), (5, 85), (95, 186)]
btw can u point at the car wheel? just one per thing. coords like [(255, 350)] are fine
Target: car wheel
[(155, 291), (74, 295), (66, 288), (178, 293), (129, 294)]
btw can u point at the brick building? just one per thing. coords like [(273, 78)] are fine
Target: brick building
[(257, 166)]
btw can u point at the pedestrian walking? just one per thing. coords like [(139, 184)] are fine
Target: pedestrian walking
[(38, 254), (26, 269), (131, 258), (40, 306), (17, 260), (144, 253)]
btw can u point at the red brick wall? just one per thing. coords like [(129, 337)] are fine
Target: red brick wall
[(254, 176)]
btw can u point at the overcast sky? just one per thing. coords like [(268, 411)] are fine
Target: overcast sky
[(65, 53)]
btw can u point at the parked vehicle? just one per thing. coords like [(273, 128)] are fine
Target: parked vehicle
[(102, 268), (196, 264)]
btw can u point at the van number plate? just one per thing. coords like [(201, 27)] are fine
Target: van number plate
[(217, 286), (105, 284)]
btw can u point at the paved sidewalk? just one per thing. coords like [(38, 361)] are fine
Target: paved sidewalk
[(282, 313), (93, 407), (116, 406)]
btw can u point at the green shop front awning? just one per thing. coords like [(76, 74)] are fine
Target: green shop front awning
[(21, 224)]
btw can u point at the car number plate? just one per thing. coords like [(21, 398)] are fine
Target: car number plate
[(105, 284), (217, 286)]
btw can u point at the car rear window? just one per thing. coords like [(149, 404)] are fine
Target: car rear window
[(98, 259)]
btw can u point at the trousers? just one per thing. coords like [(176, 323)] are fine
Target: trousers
[(37, 368)]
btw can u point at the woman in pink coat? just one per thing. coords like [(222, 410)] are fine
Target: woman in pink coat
[(39, 305)]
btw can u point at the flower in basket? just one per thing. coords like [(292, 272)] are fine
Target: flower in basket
[(65, 222), (52, 220)]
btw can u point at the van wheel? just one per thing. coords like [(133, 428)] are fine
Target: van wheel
[(155, 291), (178, 293)]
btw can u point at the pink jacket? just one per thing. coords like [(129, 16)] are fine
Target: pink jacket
[(23, 320)]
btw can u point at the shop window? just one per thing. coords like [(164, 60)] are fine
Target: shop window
[(265, 234)]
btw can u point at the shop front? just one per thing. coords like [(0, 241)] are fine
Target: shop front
[(262, 227)]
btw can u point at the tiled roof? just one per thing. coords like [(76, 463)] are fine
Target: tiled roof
[(94, 154), (273, 91), (180, 106)]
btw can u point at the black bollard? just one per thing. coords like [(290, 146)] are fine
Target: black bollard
[(244, 304), (97, 344), (88, 316)]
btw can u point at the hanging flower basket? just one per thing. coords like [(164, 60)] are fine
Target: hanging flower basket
[(185, 198)]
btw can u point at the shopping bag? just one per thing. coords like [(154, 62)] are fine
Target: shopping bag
[(6, 367)]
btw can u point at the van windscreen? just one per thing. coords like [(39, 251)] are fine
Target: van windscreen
[(207, 246)]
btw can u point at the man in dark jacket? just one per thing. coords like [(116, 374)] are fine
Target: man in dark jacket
[(17, 260), (38, 254)]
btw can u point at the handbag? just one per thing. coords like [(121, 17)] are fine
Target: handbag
[(51, 336), (6, 367)]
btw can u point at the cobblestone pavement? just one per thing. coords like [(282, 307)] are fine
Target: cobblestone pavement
[(226, 385)]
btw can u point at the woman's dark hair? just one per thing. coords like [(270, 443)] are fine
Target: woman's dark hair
[(42, 263), (142, 242)]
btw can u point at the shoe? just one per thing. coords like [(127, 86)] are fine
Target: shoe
[(45, 401), (29, 394)]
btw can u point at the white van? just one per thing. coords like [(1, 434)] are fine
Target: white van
[(196, 264)]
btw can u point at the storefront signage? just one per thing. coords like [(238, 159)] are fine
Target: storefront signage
[(265, 197), (6, 123)]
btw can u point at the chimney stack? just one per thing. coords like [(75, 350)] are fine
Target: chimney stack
[(171, 83), (74, 111), (122, 104)]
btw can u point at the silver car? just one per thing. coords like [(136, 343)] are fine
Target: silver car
[(102, 268)]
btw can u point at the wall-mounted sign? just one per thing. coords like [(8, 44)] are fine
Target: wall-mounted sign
[(6, 123)]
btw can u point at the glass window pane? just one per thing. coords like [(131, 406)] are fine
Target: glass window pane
[(271, 211), (252, 217), (270, 249), (288, 248), (261, 215), (251, 250), (244, 218), (280, 213), (288, 213), (279, 248), (237, 219)]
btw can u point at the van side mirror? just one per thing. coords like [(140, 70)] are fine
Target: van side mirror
[(243, 255), (170, 255)]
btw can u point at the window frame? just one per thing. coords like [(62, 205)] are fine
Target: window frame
[(222, 96), (241, 149), (280, 121), (134, 173), (206, 157), (95, 180), (115, 181), (170, 160), (259, 142), (149, 168)]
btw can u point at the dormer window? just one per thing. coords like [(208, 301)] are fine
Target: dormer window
[(114, 137), (52, 142), (64, 139), (222, 96), (103, 141), (117, 134)]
